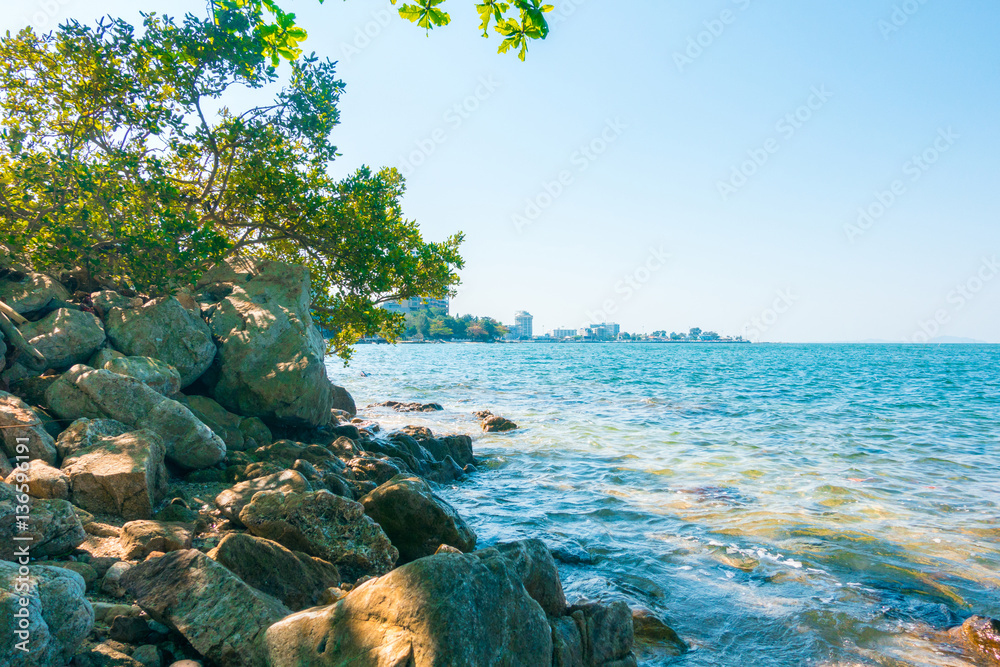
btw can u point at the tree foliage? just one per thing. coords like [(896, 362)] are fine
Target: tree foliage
[(518, 22), (435, 324), (120, 162)]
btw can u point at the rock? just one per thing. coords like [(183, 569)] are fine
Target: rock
[(295, 578), (416, 520), (375, 470), (105, 612), (164, 329), (222, 617), (653, 631), (458, 447), (85, 392), (31, 293), (101, 529), (567, 644), (535, 567), (59, 617), (232, 501), (448, 609), (271, 356), (140, 538), (223, 423), (42, 480), (323, 525), (105, 655), (606, 631), (256, 430), (106, 300), (498, 424), (157, 375), (112, 583), (21, 431), (103, 356), (982, 637), (86, 571), (84, 433), (129, 629), (409, 407), (148, 655), (123, 476), (65, 337), (343, 401), (54, 528)]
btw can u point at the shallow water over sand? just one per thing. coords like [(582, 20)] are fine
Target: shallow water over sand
[(778, 504)]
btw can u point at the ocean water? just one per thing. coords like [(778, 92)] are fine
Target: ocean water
[(776, 504)]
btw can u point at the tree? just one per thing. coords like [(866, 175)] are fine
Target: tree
[(120, 164), (517, 21), (710, 335), (695, 333)]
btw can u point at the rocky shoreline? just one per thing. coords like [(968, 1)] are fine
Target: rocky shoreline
[(184, 485)]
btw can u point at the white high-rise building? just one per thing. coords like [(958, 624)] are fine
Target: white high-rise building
[(522, 325)]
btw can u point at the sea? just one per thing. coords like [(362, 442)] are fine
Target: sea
[(774, 504)]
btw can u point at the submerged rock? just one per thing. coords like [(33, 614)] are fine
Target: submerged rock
[(416, 520), (124, 476), (85, 392), (297, 579), (58, 619), (222, 617), (981, 636), (164, 329), (409, 407), (447, 609), (323, 525), (271, 356)]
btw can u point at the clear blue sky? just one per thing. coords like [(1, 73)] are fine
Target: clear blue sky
[(676, 122)]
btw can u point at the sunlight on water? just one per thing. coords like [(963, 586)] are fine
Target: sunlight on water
[(780, 505)]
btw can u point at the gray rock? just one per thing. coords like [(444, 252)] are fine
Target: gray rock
[(59, 616), (223, 423), (271, 355), (416, 520), (22, 432), (343, 401), (97, 394), (606, 630), (106, 300), (32, 293), (535, 567), (232, 501), (84, 433), (447, 609), (65, 337), (112, 583), (124, 476), (222, 617), (54, 528), (157, 375), (297, 579), (164, 329), (322, 525)]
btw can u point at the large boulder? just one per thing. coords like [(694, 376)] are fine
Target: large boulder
[(222, 617), (54, 528), (342, 400), (44, 612), (447, 609), (606, 633), (223, 423), (232, 501), (84, 433), (271, 355), (141, 538), (158, 376), (65, 337), (532, 561), (124, 476), (96, 394), (164, 329), (31, 293), (416, 520), (324, 525), (295, 578), (21, 431)]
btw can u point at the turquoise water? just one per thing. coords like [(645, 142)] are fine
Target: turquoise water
[(777, 504)]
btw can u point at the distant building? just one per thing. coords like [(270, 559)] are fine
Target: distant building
[(522, 325), (415, 303), (603, 331), (559, 334)]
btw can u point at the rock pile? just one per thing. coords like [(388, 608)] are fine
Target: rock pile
[(190, 486)]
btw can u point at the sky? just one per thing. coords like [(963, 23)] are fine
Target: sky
[(788, 171)]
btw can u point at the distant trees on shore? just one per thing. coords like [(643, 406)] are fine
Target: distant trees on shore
[(435, 324)]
